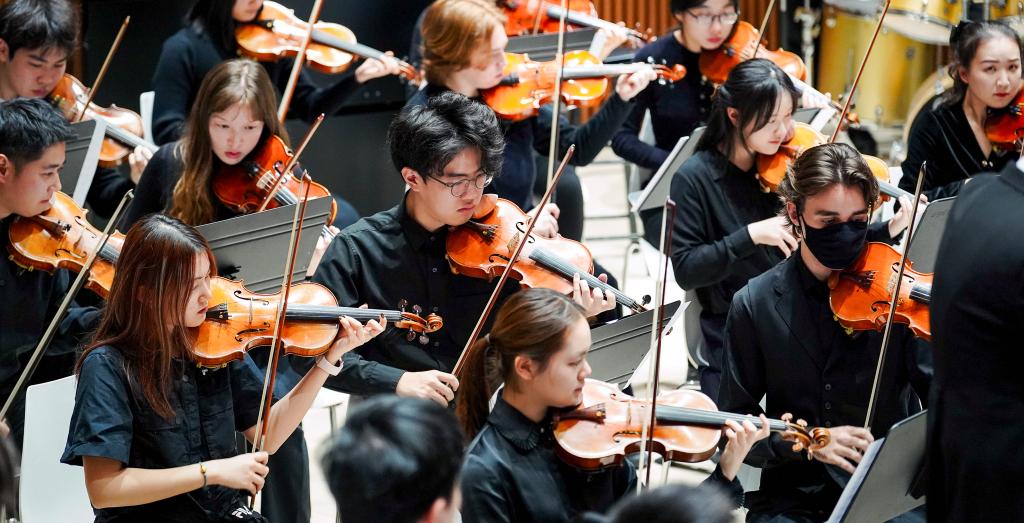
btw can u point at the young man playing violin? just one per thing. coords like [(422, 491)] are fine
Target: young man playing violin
[(32, 136), (447, 152), (782, 342), (36, 39)]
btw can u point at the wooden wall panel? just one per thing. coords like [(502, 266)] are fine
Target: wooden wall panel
[(656, 15)]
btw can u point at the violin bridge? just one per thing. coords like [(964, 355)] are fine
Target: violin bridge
[(513, 243)]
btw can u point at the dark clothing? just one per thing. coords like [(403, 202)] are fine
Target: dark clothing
[(941, 135), (113, 420), (189, 54), (533, 135), (156, 187), (711, 249), (512, 473), (107, 189), (387, 258), (29, 301), (782, 343), (977, 400), (676, 109)]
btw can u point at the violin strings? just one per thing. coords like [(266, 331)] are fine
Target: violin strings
[(567, 270), (715, 417)]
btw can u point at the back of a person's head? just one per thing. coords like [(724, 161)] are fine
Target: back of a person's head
[(674, 504), (393, 459)]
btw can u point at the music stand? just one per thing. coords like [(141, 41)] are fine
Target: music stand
[(653, 196), (924, 246), (82, 155), (888, 480), (618, 347), (541, 47), (252, 247)]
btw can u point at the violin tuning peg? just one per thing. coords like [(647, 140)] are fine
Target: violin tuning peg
[(402, 303), (410, 336), (424, 339), (416, 309)]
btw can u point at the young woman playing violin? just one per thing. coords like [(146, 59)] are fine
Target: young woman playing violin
[(32, 136), (951, 132), (209, 39), (464, 51), (782, 342), (36, 39), (538, 348), (154, 433)]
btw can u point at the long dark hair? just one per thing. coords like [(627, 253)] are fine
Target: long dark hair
[(213, 17), (754, 88), (532, 323), (151, 289), (964, 40)]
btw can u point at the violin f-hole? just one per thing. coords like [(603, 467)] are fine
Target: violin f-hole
[(240, 335)]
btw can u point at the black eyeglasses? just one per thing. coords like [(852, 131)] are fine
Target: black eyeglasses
[(461, 187), (722, 18)]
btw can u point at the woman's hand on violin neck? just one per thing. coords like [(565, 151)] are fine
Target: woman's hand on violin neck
[(432, 385), (242, 472), (594, 301), (773, 232), (137, 161), (628, 86), (741, 439), (547, 221), (353, 334), (846, 447), (373, 68), (901, 220), (612, 39), (750, 51)]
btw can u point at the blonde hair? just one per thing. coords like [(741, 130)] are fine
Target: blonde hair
[(231, 82), (452, 30)]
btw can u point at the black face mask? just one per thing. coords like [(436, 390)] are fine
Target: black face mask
[(838, 245)]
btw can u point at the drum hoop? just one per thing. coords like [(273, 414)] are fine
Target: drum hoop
[(914, 14)]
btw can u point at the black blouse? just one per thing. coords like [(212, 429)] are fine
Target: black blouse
[(942, 135), (113, 420)]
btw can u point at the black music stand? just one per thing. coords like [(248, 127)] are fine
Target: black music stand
[(618, 347), (252, 247), (654, 194), (82, 155), (889, 480), (924, 246), (541, 47)]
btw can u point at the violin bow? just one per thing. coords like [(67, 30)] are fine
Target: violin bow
[(293, 78), (461, 363), (51, 329), (764, 23), (560, 59), (103, 68), (267, 397), (860, 71), (291, 164), (647, 430), (886, 333)]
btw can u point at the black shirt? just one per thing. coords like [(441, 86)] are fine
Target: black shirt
[(387, 258), (676, 109), (942, 135), (782, 343), (711, 249), (533, 135), (113, 420), (189, 54), (156, 187)]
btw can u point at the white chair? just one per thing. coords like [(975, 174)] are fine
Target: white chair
[(146, 111), (50, 490)]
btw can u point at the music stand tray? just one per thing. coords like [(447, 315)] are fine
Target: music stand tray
[(887, 480), (252, 247), (82, 155), (617, 348)]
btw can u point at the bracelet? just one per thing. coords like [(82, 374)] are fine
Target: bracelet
[(326, 366), (202, 469)]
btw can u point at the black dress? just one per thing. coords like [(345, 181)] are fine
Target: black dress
[(977, 401)]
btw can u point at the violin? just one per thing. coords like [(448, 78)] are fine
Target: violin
[(525, 17), (239, 319), (61, 238), (277, 33), (606, 426), (481, 247), (245, 185), (860, 294), (1006, 127), (715, 64), (528, 85), (123, 126)]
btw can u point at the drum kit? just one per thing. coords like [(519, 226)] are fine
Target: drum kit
[(906, 67)]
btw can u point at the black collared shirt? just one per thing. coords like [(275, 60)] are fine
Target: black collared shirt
[(383, 260), (512, 473), (112, 419)]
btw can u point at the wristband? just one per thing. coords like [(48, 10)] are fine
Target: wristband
[(333, 370)]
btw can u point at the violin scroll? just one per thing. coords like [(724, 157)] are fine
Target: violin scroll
[(811, 439), (415, 323)]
